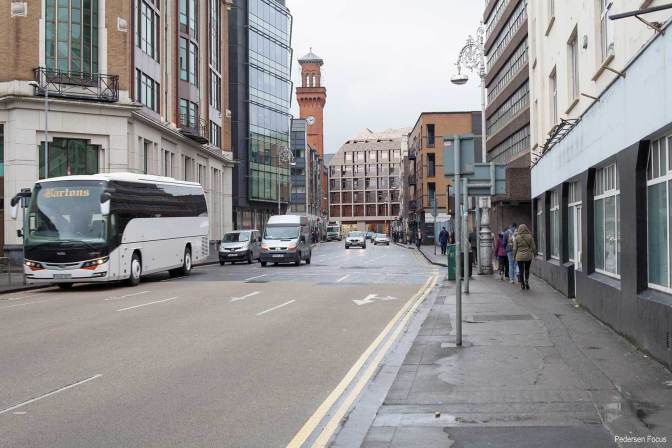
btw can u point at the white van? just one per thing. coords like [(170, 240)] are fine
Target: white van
[(286, 240)]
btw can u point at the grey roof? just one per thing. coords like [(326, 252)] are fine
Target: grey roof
[(311, 58)]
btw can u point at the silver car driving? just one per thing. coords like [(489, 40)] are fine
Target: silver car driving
[(241, 245), (356, 239)]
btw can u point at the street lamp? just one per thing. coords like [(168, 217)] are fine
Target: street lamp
[(285, 156), (472, 58), (36, 87)]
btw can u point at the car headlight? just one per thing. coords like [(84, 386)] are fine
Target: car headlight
[(93, 264), (265, 247), (291, 247), (33, 265)]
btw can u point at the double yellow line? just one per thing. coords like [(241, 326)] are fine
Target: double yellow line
[(388, 336)]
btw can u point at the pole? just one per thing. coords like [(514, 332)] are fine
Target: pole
[(478, 235), (465, 234), (458, 245), (46, 130), (279, 213)]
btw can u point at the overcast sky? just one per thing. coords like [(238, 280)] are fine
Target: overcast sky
[(385, 61)]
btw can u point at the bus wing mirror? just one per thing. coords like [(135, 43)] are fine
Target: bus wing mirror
[(15, 211), (20, 199), (105, 201)]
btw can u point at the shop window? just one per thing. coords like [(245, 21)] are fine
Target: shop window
[(607, 235)]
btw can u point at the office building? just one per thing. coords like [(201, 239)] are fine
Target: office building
[(260, 62), (132, 86), (306, 173), (508, 107), (602, 174)]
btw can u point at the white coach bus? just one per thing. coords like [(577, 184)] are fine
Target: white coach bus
[(111, 227)]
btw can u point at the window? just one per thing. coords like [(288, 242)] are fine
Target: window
[(431, 189), (71, 35), (188, 174), (193, 18), (188, 114), (607, 222), (183, 13), (574, 223), (555, 225), (184, 75), (215, 34), (2, 151), (147, 91), (215, 90), (193, 63), (69, 157), (573, 66), (147, 33), (430, 135), (606, 29), (431, 165), (144, 155), (659, 206), (167, 163), (553, 96), (215, 135), (541, 227)]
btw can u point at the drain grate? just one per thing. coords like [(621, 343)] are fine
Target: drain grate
[(501, 317), (257, 281)]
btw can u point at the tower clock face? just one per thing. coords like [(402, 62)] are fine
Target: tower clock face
[(310, 120)]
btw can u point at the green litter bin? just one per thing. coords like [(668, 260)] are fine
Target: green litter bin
[(451, 261)]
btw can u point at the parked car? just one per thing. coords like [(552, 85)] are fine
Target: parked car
[(241, 245), (355, 239), (286, 240), (381, 238)]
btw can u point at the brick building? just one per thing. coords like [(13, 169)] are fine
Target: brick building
[(132, 86), (425, 165)]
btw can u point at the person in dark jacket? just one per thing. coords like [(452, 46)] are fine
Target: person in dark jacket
[(443, 240), (524, 250), (500, 253)]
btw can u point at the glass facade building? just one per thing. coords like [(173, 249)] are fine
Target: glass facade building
[(270, 88)]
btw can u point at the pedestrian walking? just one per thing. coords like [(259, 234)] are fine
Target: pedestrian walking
[(418, 239), (443, 240), (509, 237), (524, 250), (473, 243), (500, 253)]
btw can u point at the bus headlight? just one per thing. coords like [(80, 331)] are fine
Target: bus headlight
[(34, 265), (93, 264)]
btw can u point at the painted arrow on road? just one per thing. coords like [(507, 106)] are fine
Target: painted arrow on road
[(237, 299), (372, 298)]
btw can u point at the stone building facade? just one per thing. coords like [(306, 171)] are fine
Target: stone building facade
[(136, 86)]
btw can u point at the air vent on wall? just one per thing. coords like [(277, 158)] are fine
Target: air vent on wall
[(19, 9), (122, 25)]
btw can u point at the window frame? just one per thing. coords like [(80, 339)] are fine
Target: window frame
[(555, 224), (541, 227), (573, 66), (574, 201), (607, 185), (663, 176)]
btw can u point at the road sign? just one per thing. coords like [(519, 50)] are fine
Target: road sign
[(480, 180), (467, 160)]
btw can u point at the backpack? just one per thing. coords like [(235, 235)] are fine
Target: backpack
[(508, 241)]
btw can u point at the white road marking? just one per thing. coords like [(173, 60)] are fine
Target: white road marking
[(53, 392), (276, 307), (29, 303), (373, 297), (252, 278), (19, 413), (237, 299), (147, 304), (342, 278), (128, 295)]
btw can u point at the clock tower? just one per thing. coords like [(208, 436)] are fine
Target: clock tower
[(312, 97)]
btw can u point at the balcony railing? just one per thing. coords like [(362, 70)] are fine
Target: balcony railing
[(412, 154), (195, 128), (77, 85)]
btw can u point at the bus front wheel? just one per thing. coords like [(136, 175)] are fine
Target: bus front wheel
[(186, 265), (136, 270)]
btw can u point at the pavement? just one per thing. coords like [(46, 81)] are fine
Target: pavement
[(232, 356), (535, 370)]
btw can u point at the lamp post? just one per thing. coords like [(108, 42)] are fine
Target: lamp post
[(37, 87), (285, 156), (472, 58)]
